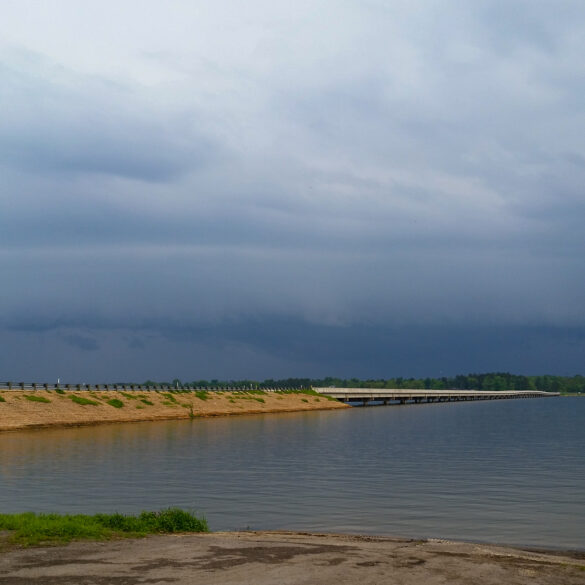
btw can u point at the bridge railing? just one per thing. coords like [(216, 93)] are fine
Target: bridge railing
[(401, 394)]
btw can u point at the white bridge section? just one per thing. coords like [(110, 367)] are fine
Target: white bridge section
[(401, 396)]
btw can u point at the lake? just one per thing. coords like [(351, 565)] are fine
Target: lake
[(510, 471)]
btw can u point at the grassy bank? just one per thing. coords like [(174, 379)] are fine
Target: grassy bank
[(31, 529)]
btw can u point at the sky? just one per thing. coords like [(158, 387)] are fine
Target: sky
[(234, 190)]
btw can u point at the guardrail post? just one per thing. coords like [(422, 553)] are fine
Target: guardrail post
[(46, 386), (22, 385), (9, 384)]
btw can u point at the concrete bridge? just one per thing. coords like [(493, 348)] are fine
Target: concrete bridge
[(395, 396)]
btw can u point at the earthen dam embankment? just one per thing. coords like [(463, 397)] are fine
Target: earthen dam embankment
[(22, 409)]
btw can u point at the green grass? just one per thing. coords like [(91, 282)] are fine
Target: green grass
[(59, 390), (34, 398), (31, 529), (202, 395), (170, 397), (2, 399), (130, 396), (81, 400), (312, 392), (304, 400), (148, 402), (115, 403)]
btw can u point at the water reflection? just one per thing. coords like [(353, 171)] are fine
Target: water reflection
[(508, 471)]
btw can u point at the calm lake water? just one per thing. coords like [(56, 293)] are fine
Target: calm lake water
[(504, 471)]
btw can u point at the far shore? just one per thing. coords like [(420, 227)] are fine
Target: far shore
[(266, 558), (48, 408)]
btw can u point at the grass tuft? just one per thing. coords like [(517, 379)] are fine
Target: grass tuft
[(34, 398), (31, 529), (81, 400), (2, 399), (148, 402), (59, 390), (202, 395), (115, 403), (128, 395)]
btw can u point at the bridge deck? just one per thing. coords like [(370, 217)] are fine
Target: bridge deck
[(402, 396)]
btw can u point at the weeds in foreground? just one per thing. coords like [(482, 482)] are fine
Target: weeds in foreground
[(59, 390), (2, 399), (31, 529), (34, 398), (202, 395)]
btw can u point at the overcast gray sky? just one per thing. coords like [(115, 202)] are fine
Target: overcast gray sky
[(225, 190)]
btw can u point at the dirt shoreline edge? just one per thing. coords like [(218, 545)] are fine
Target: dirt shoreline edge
[(264, 558)]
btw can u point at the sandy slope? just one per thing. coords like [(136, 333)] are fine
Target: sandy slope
[(18, 412)]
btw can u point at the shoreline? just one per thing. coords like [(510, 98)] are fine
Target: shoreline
[(44, 409), (267, 557)]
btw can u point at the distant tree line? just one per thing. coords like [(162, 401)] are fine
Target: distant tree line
[(490, 381)]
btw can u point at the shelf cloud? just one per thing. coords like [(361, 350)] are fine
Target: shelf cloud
[(355, 189)]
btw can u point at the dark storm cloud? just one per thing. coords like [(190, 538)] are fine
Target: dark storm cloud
[(82, 342), (285, 347), (396, 191)]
